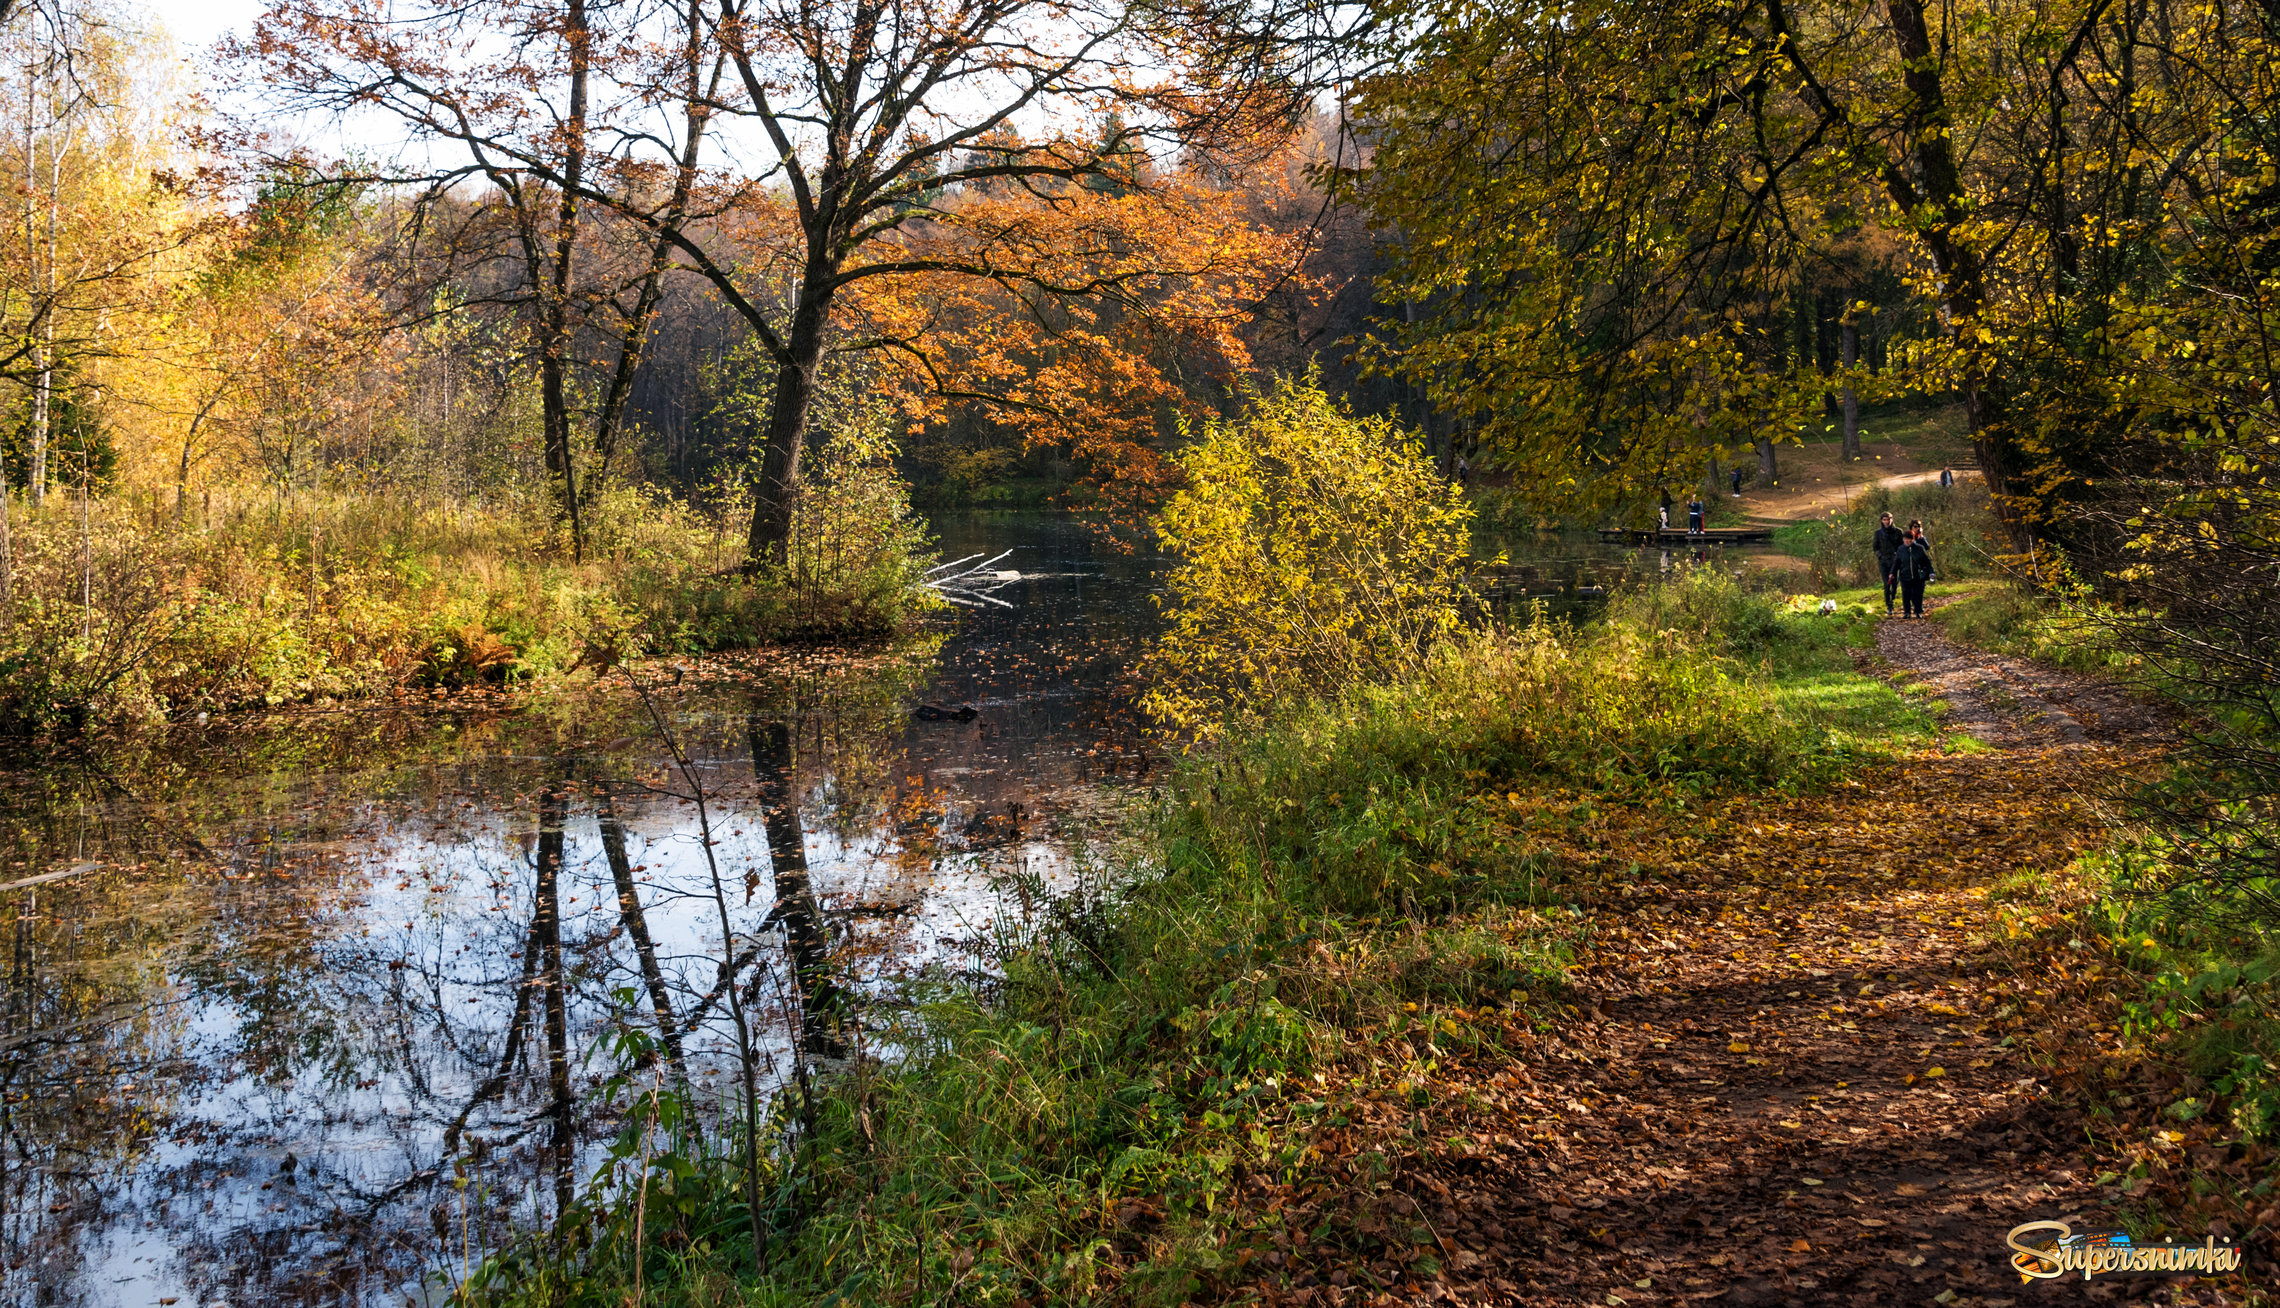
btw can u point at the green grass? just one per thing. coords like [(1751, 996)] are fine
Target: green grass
[(2008, 618), (1931, 433), (1966, 539)]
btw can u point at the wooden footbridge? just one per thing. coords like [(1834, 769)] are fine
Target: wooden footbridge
[(1681, 538)]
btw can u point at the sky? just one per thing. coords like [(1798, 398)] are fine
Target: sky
[(197, 24)]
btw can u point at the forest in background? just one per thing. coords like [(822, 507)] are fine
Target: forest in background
[(650, 329)]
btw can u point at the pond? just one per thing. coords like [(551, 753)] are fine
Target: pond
[(291, 978), (295, 969)]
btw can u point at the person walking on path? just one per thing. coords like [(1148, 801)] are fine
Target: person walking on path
[(1887, 544), (1914, 565), (1947, 479)]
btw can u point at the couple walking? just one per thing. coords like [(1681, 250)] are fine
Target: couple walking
[(1905, 559)]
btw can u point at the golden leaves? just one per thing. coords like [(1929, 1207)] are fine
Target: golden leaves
[(1318, 551)]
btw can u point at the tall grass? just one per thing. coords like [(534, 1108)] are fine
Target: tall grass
[(120, 612), (1966, 538)]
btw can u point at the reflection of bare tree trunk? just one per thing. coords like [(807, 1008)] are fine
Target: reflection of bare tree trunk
[(815, 991), (547, 931), (19, 1014), (496, 1083), (637, 929)]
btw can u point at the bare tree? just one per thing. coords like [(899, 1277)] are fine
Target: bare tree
[(528, 113)]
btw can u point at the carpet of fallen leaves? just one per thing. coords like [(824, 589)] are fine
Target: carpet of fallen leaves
[(1819, 1050)]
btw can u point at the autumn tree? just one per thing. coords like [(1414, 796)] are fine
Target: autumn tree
[(883, 123), (603, 103), (96, 202), (874, 124), (1609, 212)]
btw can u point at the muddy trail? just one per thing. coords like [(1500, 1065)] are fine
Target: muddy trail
[(1808, 1061)]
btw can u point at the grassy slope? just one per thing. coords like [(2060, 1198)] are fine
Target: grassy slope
[(1310, 913)]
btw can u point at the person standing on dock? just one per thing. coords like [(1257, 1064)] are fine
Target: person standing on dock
[(1887, 543), (1694, 518)]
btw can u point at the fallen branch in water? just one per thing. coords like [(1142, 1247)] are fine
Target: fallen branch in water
[(969, 584)]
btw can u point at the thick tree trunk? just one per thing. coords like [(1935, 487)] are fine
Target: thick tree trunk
[(1768, 467), (1963, 290), (776, 493)]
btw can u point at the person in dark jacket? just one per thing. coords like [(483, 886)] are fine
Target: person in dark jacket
[(1887, 544), (1694, 517), (1914, 566)]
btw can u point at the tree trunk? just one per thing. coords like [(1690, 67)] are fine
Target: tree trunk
[(815, 990), (776, 493), (1850, 401), (553, 806), (43, 390), (1768, 469), (1963, 292), (553, 384), (636, 925), (7, 557)]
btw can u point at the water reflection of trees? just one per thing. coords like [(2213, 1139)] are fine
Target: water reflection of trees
[(323, 1042)]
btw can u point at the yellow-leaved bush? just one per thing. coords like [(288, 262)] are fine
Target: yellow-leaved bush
[(1316, 550)]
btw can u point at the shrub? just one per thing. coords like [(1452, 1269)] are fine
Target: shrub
[(1317, 551), (265, 601)]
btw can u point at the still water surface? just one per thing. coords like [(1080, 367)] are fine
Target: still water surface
[(305, 966)]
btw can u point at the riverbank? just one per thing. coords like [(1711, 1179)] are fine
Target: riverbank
[(114, 618), (1727, 949), (1350, 971)]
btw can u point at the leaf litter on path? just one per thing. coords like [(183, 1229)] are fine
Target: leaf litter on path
[(1808, 1058)]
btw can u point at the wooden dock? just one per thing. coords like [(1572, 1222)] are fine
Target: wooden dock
[(1680, 537)]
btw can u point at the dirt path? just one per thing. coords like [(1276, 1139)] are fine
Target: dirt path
[(2008, 701), (1803, 496), (1795, 1077)]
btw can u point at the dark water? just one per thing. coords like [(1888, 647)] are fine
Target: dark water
[(307, 966)]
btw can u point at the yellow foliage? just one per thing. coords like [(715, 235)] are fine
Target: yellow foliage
[(1318, 550)]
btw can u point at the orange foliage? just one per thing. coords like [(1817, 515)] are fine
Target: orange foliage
[(1084, 316)]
